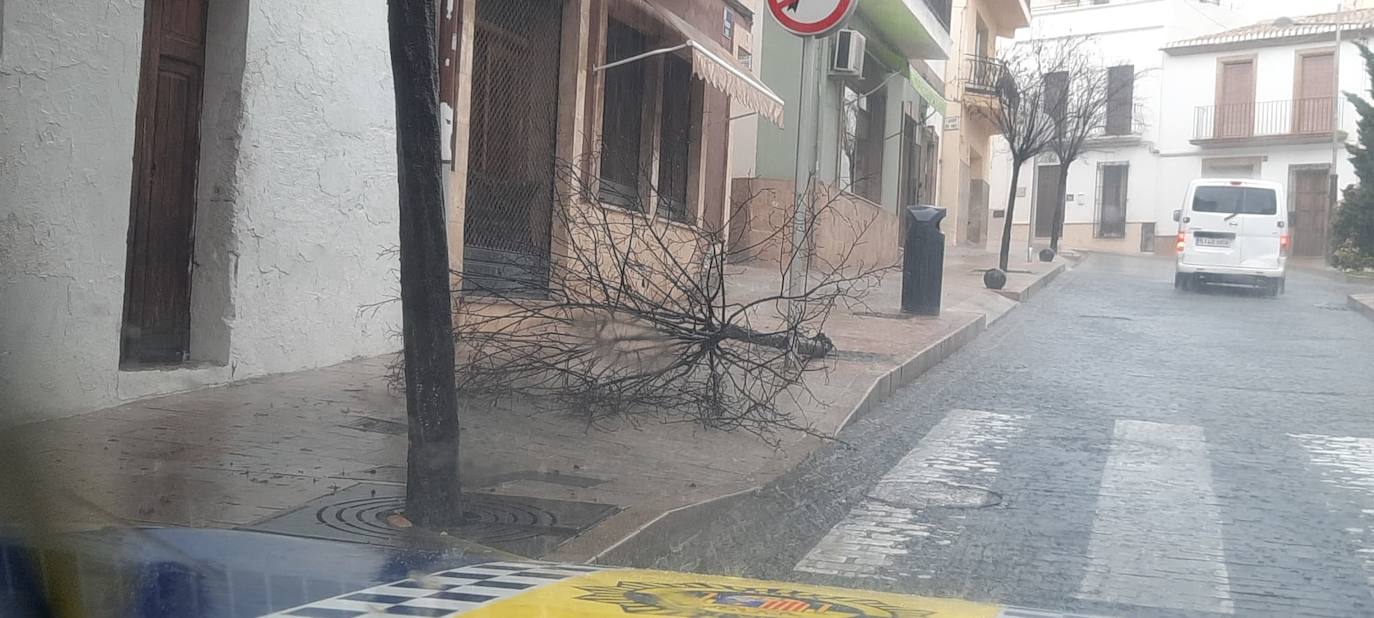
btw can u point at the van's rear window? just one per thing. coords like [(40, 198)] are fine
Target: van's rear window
[(1236, 200)]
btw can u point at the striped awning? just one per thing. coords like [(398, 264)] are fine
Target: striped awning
[(712, 63)]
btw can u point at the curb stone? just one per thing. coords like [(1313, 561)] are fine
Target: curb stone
[(1035, 286), (1363, 303)]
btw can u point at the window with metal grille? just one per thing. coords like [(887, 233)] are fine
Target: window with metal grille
[(622, 116), (1120, 100), (861, 140), (675, 137), (1111, 199)]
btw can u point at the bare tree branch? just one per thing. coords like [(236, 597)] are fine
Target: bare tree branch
[(637, 319)]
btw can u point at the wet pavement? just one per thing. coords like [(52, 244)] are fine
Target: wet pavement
[(1114, 447), (321, 453)]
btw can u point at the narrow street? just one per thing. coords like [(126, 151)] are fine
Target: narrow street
[(1112, 447)]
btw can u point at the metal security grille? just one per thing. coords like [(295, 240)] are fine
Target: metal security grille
[(1111, 200), (510, 175)]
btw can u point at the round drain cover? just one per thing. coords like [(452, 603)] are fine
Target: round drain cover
[(487, 518)]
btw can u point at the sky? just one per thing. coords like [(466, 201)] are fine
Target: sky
[(1270, 9)]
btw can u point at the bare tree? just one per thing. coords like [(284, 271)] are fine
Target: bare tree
[(432, 490), (1023, 114), (637, 318), (1088, 95)]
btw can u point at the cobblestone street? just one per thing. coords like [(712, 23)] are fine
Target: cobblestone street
[(1114, 447)]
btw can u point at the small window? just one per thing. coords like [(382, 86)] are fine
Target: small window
[(1057, 94), (1120, 100), (622, 117), (675, 137), (1236, 201)]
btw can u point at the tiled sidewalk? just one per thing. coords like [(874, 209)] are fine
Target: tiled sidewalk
[(239, 454)]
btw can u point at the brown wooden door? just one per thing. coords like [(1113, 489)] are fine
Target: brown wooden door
[(1236, 99), (157, 296), (1313, 109), (1309, 187)]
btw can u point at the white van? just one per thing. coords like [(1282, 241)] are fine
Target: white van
[(1233, 231)]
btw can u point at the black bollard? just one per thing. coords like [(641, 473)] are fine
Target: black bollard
[(923, 263)]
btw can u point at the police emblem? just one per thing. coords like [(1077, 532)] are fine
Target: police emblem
[(710, 600)]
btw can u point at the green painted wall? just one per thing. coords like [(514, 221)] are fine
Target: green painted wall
[(781, 62)]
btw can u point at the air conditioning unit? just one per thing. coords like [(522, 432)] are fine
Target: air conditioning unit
[(849, 54)]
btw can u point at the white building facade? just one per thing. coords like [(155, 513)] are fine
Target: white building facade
[(1112, 201), (1261, 102), (271, 129)]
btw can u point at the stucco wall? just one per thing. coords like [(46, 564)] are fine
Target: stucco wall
[(1126, 32), (776, 148), (849, 232), (297, 197), (1192, 84)]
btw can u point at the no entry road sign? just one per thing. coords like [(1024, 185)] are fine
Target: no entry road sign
[(811, 17)]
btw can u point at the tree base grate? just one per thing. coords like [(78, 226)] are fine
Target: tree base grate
[(521, 525)]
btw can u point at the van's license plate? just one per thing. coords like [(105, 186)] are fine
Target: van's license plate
[(1213, 242)]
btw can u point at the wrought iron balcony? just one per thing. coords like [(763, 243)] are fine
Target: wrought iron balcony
[(983, 75), (1292, 119)]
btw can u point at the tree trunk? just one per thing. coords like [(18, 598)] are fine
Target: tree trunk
[(432, 490), (811, 347), (1011, 210), (1057, 225)]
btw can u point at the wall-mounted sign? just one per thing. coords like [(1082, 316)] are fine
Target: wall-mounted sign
[(951, 123), (811, 17)]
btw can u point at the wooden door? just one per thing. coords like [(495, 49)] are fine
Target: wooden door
[(157, 287), (978, 212), (1046, 198), (1309, 188), (1316, 83), (1236, 99)]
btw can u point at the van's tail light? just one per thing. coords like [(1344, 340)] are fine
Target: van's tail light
[(1182, 241), (1285, 242)]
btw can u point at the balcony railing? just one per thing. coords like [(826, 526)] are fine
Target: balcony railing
[(982, 74), (942, 10), (1295, 117)]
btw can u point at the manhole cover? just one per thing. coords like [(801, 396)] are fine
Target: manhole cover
[(526, 526)]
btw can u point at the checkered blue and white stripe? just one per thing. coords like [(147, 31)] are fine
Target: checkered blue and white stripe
[(443, 593)]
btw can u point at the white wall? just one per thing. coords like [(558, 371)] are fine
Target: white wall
[(1170, 91), (297, 196), (1192, 84), (1129, 32)]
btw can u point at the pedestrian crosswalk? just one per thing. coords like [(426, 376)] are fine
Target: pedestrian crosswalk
[(1159, 527), (945, 467), (1347, 465)]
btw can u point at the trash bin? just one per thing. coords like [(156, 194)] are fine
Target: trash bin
[(923, 262)]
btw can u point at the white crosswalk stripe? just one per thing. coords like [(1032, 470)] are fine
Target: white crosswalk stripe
[(1157, 537), (1347, 463), (945, 468)]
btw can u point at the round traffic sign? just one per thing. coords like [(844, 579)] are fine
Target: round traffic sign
[(811, 17)]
